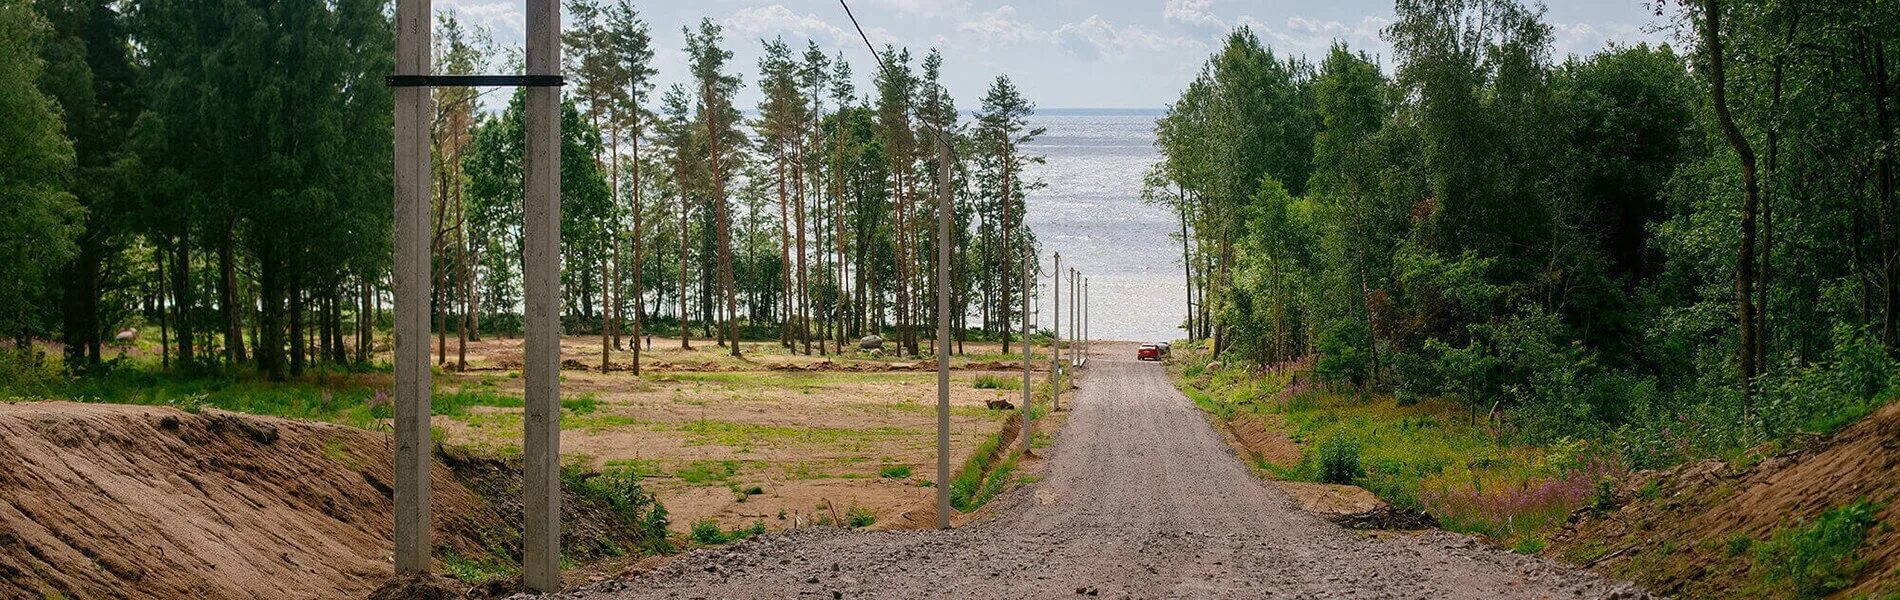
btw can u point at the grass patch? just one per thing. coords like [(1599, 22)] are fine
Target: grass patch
[(990, 381), (859, 517), (894, 472), (360, 399), (1819, 558), (707, 472), (1427, 456), (706, 532), (479, 569), (732, 433), (977, 483)]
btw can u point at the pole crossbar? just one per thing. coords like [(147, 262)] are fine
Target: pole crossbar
[(474, 81)]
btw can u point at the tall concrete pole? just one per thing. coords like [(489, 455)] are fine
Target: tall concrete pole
[(1074, 276), (541, 275), (1055, 339), (1086, 340), (943, 330), (411, 274), (1029, 277)]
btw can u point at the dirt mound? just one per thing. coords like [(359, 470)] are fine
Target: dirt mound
[(1263, 442), (1679, 531), (1352, 507), (128, 501)]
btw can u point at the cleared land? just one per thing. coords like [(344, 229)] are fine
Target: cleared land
[(775, 437)]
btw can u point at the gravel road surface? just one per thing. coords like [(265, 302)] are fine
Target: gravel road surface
[(1142, 499)]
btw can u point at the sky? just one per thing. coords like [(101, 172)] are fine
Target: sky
[(1060, 53)]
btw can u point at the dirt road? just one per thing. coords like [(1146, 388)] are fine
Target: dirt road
[(1142, 500)]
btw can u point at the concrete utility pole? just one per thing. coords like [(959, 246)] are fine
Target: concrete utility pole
[(411, 274), (1029, 276), (1086, 340), (1055, 339), (943, 330), (541, 275), (1074, 275)]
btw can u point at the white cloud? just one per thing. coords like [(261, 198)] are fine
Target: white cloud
[(1313, 37), (1194, 13), (1584, 38), (1001, 26), (928, 8), (755, 22), (1095, 37), (503, 17)]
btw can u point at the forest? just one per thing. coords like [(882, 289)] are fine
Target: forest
[(1674, 251), (169, 176)]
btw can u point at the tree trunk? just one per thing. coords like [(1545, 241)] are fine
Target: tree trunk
[(1745, 254), (181, 290)]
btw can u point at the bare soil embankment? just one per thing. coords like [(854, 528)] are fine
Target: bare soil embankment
[(145, 502), (1677, 531)]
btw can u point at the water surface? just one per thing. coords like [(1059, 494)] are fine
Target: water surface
[(1092, 213)]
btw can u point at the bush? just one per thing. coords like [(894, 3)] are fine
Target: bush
[(1822, 557), (1343, 358), (707, 532), (998, 382), (620, 488), (1339, 460), (26, 373), (859, 516)]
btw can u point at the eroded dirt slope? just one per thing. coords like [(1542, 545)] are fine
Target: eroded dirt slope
[(112, 501), (1676, 530)]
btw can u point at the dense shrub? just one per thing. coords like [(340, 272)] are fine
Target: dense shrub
[(1339, 460)]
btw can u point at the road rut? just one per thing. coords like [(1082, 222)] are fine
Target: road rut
[(1142, 500)]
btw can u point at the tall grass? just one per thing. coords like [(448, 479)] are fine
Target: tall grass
[(1427, 456)]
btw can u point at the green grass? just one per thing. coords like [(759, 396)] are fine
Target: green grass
[(1818, 558), (859, 517), (989, 381), (1409, 456), (358, 399), (706, 532), (894, 472), (707, 472), (737, 434), (479, 569), (974, 486)]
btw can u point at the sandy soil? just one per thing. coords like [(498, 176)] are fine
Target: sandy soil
[(1142, 500), (1702, 508), (707, 428)]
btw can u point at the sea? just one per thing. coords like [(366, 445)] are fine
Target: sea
[(1092, 214)]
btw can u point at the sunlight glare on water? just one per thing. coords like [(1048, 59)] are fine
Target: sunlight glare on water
[(1092, 213)]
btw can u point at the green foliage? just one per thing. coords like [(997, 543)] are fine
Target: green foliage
[(859, 517), (1344, 358), (998, 382), (707, 472), (28, 374), (1339, 460), (38, 217), (979, 481), (894, 472), (621, 489), (707, 532), (1821, 557)]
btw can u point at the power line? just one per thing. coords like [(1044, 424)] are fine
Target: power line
[(942, 136)]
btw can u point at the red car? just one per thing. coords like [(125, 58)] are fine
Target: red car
[(1148, 352)]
